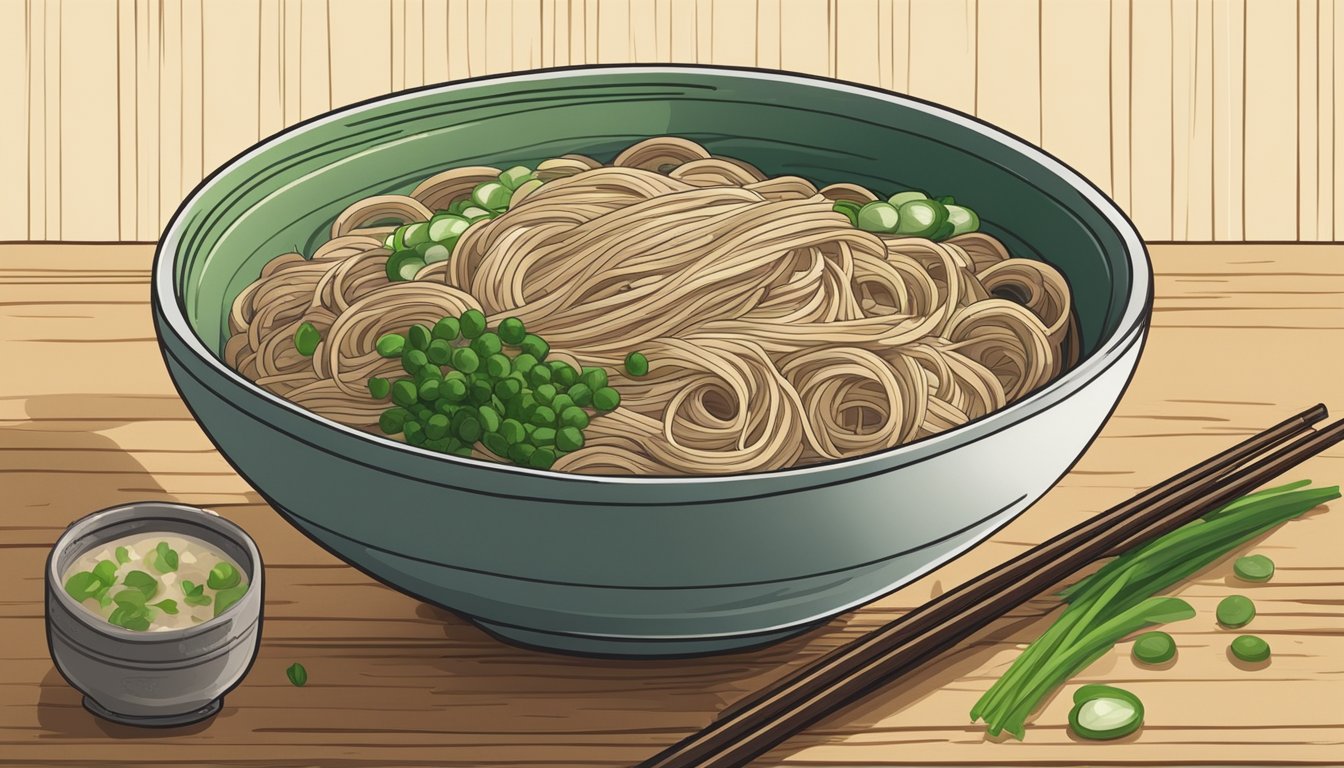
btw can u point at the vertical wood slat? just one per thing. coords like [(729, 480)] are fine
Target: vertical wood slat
[(1074, 110), (1204, 119)]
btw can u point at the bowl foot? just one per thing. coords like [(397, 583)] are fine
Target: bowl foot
[(155, 721), (595, 645)]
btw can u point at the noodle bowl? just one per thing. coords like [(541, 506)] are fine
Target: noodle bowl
[(779, 334)]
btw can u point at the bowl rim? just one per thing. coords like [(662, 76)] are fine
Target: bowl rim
[(129, 512), (1129, 329)]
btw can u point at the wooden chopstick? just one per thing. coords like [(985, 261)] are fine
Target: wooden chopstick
[(856, 668)]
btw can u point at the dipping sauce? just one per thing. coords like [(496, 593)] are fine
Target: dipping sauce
[(152, 582)]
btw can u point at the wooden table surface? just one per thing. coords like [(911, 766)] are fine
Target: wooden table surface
[(1243, 336)]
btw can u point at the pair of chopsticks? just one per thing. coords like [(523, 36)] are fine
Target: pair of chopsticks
[(857, 668)]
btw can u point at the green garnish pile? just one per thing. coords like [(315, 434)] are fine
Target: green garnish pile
[(132, 592), (426, 242), (1119, 599), (912, 214), (469, 385)]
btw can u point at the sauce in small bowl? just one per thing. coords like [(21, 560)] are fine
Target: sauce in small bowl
[(154, 611)]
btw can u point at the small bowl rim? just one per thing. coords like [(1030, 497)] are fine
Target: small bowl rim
[(128, 512), (1130, 326)]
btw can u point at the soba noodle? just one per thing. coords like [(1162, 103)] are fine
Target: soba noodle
[(779, 335)]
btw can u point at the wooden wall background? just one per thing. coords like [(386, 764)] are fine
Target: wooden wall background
[(1205, 119)]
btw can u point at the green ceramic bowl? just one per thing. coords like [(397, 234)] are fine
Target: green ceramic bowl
[(645, 566)]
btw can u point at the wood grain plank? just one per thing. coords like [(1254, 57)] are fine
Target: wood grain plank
[(88, 84), (436, 40), (769, 42), (1308, 124), (148, 203), (901, 34), (230, 68), (681, 37), (858, 53), (645, 31), (192, 167), (1120, 98), (1008, 66), (361, 42), (411, 50), (314, 57), (803, 49), (51, 104), (1150, 119), (1075, 39), (613, 31), (14, 148), (423, 687), (1326, 107), (459, 34), (1229, 113), (734, 33), (943, 52), (1338, 109), (127, 115), (1270, 202), (270, 68), (168, 52), (1198, 146)]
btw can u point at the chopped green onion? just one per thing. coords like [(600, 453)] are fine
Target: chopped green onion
[(962, 219), (1102, 712), (466, 360), (535, 346), (379, 387), (392, 420), (446, 228), (542, 458), (419, 337), (515, 176), (447, 329), (415, 234), (487, 344)]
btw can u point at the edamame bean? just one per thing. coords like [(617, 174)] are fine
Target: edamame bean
[(542, 458), (1253, 568), (414, 234), (491, 195), (306, 338), (606, 399), (1154, 647), (535, 346), (392, 420), (512, 331), (520, 453), (878, 216), (439, 352), (446, 228), (636, 364), (581, 394), (595, 378), (523, 363), (544, 393), (512, 430), (574, 416), (429, 390), (447, 329), (563, 374), (487, 344), (1250, 648), (962, 219), (921, 218), (379, 387), (453, 390), (404, 393), (497, 366), (515, 176), (433, 253), (538, 375), (466, 360), (568, 439), (413, 360), (472, 323), (543, 416), (390, 344), (901, 198), (1235, 611)]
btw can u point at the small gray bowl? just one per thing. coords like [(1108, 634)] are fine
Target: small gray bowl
[(168, 678)]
